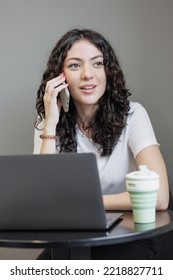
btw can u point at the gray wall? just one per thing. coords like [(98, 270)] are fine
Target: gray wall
[(141, 32)]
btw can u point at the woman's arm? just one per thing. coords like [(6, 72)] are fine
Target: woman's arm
[(52, 112), (152, 157), (44, 146), (119, 201), (48, 145)]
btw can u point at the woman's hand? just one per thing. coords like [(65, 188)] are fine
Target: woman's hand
[(52, 112), (52, 106)]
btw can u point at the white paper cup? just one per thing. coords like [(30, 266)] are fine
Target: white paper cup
[(143, 186)]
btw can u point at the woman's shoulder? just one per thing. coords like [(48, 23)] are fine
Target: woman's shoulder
[(137, 112), (134, 106)]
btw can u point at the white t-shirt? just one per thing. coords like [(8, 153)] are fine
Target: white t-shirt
[(137, 135)]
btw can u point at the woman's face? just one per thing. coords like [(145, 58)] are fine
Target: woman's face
[(85, 73)]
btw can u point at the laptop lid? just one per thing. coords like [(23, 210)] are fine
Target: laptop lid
[(43, 192)]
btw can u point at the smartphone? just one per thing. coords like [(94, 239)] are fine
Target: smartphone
[(64, 96)]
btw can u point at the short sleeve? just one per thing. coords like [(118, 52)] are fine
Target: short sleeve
[(141, 133)]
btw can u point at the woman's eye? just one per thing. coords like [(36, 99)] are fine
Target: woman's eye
[(98, 64), (74, 66)]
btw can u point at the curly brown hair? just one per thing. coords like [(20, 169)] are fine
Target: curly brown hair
[(110, 117)]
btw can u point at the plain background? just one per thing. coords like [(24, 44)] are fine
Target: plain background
[(141, 32)]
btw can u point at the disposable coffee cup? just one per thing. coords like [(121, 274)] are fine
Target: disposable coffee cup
[(143, 187)]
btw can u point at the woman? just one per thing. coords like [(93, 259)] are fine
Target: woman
[(100, 119)]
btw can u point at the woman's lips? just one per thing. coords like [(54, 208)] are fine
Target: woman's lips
[(88, 88)]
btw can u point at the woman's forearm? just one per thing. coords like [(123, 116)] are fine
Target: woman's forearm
[(48, 145), (117, 201)]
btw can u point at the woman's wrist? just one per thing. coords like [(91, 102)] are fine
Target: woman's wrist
[(49, 130), (48, 136)]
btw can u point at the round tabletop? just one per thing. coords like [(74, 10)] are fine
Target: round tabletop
[(125, 230)]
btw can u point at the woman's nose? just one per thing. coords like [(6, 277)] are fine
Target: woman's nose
[(86, 73)]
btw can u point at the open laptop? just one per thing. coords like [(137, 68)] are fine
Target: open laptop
[(52, 192)]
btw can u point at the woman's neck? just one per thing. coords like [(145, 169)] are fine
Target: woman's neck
[(85, 115)]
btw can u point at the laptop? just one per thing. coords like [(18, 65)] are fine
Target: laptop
[(52, 192)]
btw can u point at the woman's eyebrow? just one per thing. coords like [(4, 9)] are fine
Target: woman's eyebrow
[(80, 59)]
